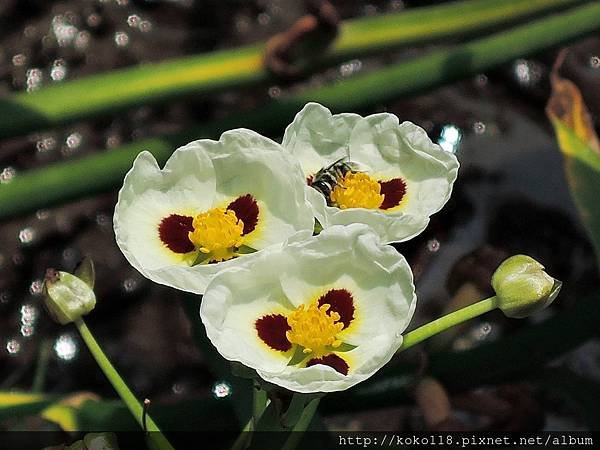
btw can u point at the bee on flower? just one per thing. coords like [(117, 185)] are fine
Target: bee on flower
[(211, 206), (371, 170), (318, 314)]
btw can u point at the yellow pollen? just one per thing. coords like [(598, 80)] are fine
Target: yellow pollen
[(314, 329), (217, 231), (357, 190)]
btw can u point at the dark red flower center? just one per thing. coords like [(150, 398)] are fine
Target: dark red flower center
[(331, 360), (173, 232), (341, 302), (271, 329), (393, 192), (246, 210)]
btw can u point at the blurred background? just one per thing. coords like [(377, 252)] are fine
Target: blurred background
[(511, 197)]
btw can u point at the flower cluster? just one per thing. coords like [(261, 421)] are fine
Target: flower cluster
[(233, 219)]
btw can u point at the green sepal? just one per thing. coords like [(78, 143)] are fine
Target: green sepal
[(85, 272)]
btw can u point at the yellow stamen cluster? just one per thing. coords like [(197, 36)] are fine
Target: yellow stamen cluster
[(314, 329), (217, 231), (357, 190)]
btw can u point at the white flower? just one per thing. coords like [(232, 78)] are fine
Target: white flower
[(212, 203), (317, 314), (372, 170)]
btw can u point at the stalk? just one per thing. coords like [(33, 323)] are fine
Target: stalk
[(155, 435), (302, 425), (236, 68), (102, 172), (448, 321)]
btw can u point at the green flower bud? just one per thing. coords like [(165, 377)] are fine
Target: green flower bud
[(522, 287), (67, 296)]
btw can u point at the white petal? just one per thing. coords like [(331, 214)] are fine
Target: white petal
[(364, 362), (390, 227), (405, 151), (297, 273), (232, 304), (248, 163), (186, 186), (316, 137), (199, 176), (383, 148)]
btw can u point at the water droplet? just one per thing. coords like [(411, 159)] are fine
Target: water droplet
[(36, 287), (5, 297), (350, 68), (35, 77), (7, 175), (47, 41), (242, 24), (528, 73), (27, 330), (58, 72), (69, 255), (145, 26), (45, 144), (274, 92), (29, 314), (450, 138), (73, 140), (483, 331), (221, 389), (130, 285), (13, 347), (134, 20), (433, 245), (264, 19), (103, 220), (112, 141), (19, 59), (29, 31), (121, 39), (594, 62), (481, 80), (42, 214), (396, 5), (82, 40), (27, 235), (64, 31), (93, 20), (18, 259), (479, 127), (66, 347), (178, 388)]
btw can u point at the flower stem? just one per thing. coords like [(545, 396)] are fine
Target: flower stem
[(155, 435), (449, 320), (302, 425), (259, 404), (42, 366)]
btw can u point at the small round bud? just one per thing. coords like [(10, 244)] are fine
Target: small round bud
[(522, 287), (67, 297)]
